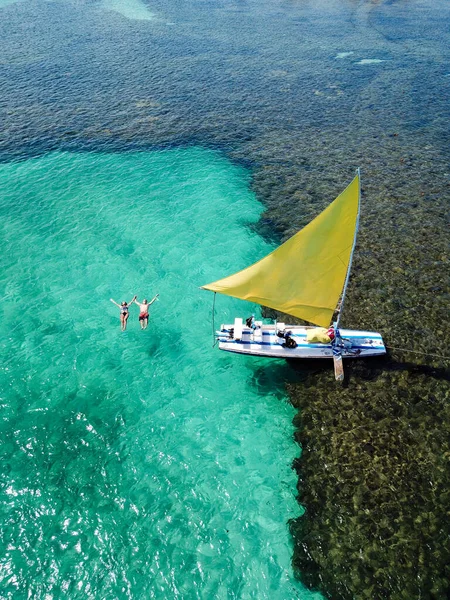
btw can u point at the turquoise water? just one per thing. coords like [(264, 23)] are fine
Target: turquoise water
[(136, 464), (130, 9), (6, 2)]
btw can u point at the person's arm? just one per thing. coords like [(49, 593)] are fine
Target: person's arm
[(134, 300), (151, 301), (114, 302)]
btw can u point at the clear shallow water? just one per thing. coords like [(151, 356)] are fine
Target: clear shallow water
[(140, 464)]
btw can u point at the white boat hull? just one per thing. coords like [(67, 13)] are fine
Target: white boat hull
[(264, 342)]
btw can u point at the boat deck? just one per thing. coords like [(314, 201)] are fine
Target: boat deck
[(264, 341)]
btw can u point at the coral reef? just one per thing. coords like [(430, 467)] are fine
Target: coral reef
[(374, 471), (373, 476)]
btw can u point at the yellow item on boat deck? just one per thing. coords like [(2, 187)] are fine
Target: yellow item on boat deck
[(318, 335)]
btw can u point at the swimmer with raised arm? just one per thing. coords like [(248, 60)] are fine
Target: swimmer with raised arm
[(143, 310), (124, 312)]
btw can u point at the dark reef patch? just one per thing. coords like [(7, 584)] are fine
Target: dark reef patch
[(374, 471), (374, 479)]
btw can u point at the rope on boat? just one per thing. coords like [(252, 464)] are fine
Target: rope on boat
[(417, 352)]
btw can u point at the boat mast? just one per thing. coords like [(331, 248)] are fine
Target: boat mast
[(341, 304)]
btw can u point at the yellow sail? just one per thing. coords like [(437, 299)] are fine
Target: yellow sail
[(304, 276)]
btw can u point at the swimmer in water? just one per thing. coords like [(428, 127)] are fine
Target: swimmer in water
[(143, 310), (124, 312)]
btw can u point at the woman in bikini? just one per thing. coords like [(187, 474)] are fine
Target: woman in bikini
[(124, 312), (143, 310)]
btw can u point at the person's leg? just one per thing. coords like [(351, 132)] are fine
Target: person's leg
[(124, 324), (145, 323), (122, 321)]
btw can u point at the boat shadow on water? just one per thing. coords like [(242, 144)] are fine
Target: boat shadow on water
[(372, 368), (273, 377), (367, 369)]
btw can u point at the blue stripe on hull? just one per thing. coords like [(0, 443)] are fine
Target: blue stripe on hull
[(303, 335), (368, 336), (369, 352), (311, 346)]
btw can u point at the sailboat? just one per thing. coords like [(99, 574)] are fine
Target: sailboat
[(306, 277)]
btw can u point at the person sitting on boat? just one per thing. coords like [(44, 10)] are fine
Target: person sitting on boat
[(143, 310), (124, 312), (250, 322), (289, 341)]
